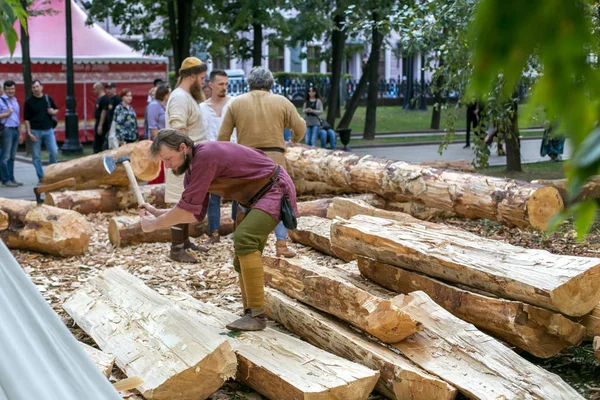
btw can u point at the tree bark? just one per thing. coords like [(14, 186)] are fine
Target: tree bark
[(175, 355), (436, 115), (513, 143), (338, 40), (307, 188), (279, 366), (347, 208), (314, 232), (352, 104), (312, 284), (371, 114), (26, 67), (90, 173), (400, 379), (105, 200), (567, 284), (476, 364), (409, 93), (44, 229), (536, 330), (103, 361), (318, 208), (257, 45), (510, 202)]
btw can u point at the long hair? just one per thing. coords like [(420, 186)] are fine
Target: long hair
[(317, 95), (171, 138)]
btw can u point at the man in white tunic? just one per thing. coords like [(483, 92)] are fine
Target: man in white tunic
[(183, 114)]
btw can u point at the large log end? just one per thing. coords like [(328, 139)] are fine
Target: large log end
[(542, 206), (581, 294), (145, 167), (114, 226)]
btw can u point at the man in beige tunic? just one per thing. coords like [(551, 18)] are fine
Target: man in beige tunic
[(183, 114), (260, 118)]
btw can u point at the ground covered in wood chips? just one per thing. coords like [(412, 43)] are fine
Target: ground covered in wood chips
[(214, 280)]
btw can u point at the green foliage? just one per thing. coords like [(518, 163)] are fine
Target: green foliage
[(560, 34), (172, 80), (10, 11)]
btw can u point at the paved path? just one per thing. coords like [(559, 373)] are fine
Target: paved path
[(530, 153)]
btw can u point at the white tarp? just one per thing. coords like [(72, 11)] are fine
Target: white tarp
[(39, 357)]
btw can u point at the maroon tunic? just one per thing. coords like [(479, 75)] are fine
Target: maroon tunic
[(212, 160)]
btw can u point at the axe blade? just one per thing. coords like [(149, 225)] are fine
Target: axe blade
[(109, 164)]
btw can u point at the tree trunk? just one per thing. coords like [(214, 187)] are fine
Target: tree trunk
[(592, 323), (409, 93), (44, 229), (314, 232), (311, 284), (476, 364), (541, 332), (105, 200), (175, 355), (399, 379), (346, 208), (562, 283), (591, 190), (455, 165), (279, 366), (373, 68), (436, 115), (510, 202), (318, 208), (180, 30), (103, 361), (257, 45), (513, 143), (338, 40), (26, 67), (307, 188), (352, 104), (90, 173)]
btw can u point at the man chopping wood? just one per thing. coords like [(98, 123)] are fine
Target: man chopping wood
[(233, 172)]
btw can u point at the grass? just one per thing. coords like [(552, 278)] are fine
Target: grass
[(396, 119), (540, 170)]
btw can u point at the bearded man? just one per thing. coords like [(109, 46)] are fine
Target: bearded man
[(183, 114)]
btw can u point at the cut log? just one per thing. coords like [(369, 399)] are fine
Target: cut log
[(568, 284), (126, 231), (105, 200), (44, 229), (400, 378), (318, 208), (89, 171), (456, 165), (510, 202), (476, 364), (347, 208), (541, 332), (279, 366), (314, 232), (307, 188), (176, 356), (591, 190), (312, 284), (597, 347), (4, 220), (103, 361), (591, 322)]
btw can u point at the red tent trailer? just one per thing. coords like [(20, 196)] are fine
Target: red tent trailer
[(97, 56)]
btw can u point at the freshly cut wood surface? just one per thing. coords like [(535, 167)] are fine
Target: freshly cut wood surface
[(591, 190), (541, 332), (311, 283), (476, 364), (103, 361), (510, 202), (280, 366), (176, 356), (591, 322), (307, 188), (44, 229), (346, 208), (318, 208), (400, 378), (4, 220), (105, 200), (315, 232), (568, 284), (89, 171)]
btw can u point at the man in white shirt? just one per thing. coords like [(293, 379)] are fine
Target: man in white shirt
[(213, 110), (183, 114)]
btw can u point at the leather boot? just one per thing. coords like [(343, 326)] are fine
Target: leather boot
[(178, 252), (187, 243), (282, 250), (253, 294), (213, 238)]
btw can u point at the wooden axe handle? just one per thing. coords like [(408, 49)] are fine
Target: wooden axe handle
[(133, 183), (55, 186)]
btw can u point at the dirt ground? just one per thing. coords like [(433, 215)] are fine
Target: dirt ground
[(214, 280)]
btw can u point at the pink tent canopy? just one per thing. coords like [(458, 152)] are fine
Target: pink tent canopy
[(97, 56)]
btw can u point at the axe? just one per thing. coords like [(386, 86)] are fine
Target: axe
[(110, 165), (69, 182)]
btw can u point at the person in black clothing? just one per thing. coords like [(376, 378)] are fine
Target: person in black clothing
[(39, 112), (473, 113), (100, 116), (113, 101)]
